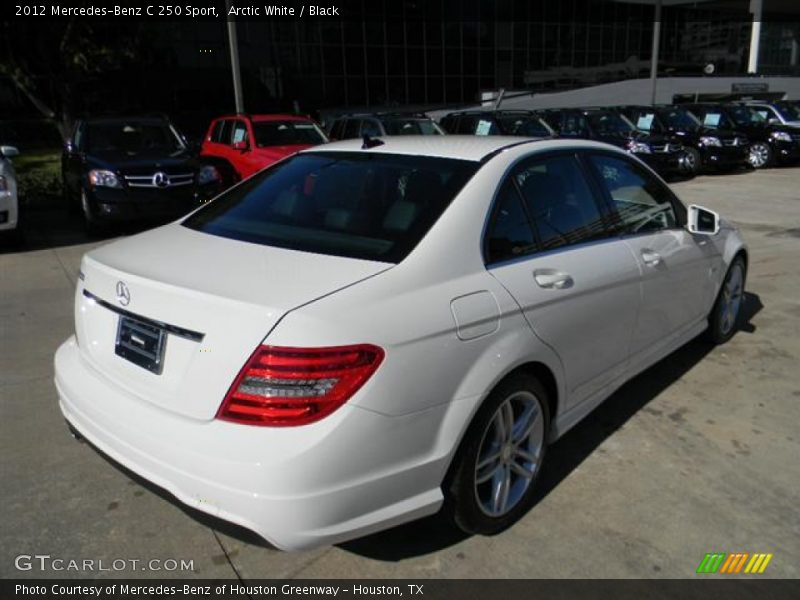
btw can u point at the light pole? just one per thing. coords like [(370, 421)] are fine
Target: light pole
[(654, 52), (233, 45)]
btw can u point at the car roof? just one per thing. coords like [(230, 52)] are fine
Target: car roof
[(265, 117), (127, 118), (463, 147)]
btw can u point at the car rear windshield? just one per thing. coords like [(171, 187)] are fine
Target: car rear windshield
[(371, 206), (396, 126), (131, 137), (287, 133)]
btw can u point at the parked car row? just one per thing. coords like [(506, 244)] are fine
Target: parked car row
[(131, 168), (672, 139)]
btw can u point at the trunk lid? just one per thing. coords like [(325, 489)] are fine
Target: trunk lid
[(215, 298)]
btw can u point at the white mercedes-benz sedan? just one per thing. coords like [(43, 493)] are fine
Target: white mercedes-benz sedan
[(364, 333)]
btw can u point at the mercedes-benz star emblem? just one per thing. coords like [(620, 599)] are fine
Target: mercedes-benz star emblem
[(161, 179), (123, 293)]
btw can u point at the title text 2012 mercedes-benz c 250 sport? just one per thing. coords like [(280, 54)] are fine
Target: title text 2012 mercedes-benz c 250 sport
[(362, 334)]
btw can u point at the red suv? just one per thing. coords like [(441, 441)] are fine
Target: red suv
[(240, 145)]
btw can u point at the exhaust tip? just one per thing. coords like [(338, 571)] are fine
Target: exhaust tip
[(76, 435)]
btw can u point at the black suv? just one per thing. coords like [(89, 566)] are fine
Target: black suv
[(609, 126), (121, 169), (770, 143), (781, 112), (705, 147), (382, 124), (526, 123)]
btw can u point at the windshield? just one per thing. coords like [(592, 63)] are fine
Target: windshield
[(411, 127), (679, 119), (604, 123), (744, 115), (526, 125), (287, 133), (788, 111), (371, 206), (131, 137)]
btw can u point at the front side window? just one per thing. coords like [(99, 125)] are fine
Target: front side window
[(239, 132), (563, 208), (371, 206), (216, 132), (641, 202)]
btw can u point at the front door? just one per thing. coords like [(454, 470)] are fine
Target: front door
[(578, 286)]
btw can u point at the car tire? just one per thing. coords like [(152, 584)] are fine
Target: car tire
[(727, 312), (691, 161), (72, 201), (761, 155), (92, 225), (492, 479)]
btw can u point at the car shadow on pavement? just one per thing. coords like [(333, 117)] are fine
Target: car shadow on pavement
[(46, 227), (435, 533), (564, 456)]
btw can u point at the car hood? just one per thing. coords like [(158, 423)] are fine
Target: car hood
[(142, 162), (275, 153)]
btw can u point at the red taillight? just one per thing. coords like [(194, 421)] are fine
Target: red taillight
[(294, 386)]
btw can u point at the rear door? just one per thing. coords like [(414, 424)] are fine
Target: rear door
[(676, 266), (550, 246)]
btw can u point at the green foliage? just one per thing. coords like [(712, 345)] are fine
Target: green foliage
[(39, 176)]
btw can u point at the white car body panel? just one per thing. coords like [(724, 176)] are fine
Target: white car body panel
[(450, 328), (9, 199)]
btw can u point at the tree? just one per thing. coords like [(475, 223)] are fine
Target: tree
[(48, 62)]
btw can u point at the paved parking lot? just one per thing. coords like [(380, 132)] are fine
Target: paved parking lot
[(698, 454)]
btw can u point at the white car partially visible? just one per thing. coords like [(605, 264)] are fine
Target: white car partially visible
[(9, 198), (363, 334)]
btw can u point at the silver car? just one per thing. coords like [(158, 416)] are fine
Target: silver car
[(9, 199)]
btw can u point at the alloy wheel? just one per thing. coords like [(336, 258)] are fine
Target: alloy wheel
[(731, 301), (510, 454), (759, 155)]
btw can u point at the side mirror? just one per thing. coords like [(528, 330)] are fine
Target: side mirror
[(9, 151), (701, 220), (240, 146), (773, 121)]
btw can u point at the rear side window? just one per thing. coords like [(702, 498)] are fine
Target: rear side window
[(510, 234), (351, 129), (642, 203), (466, 124), (562, 206), (371, 206)]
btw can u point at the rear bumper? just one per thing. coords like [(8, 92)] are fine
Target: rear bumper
[(350, 474)]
